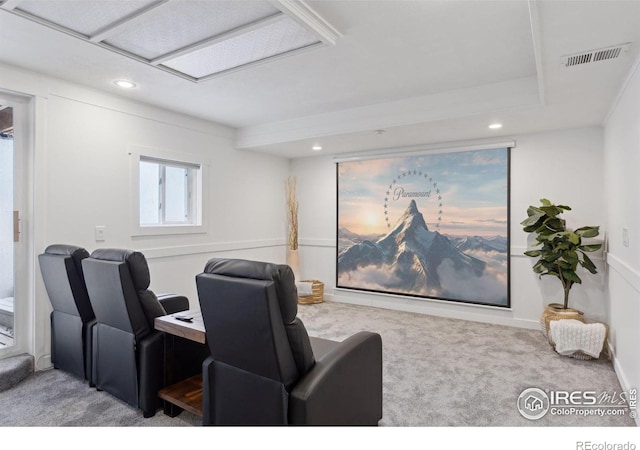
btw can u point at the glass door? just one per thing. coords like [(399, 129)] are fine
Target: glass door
[(9, 228)]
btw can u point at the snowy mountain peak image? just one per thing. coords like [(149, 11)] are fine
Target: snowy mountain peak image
[(411, 259)]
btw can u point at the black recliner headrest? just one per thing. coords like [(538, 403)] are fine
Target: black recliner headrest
[(77, 254), (280, 274), (136, 261)]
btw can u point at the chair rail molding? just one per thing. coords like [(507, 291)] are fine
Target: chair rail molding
[(630, 275), (211, 247)]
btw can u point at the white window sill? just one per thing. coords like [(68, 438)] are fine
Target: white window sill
[(159, 230)]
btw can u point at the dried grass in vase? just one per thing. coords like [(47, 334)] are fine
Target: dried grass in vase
[(292, 207)]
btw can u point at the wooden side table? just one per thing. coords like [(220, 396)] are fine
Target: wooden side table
[(186, 394)]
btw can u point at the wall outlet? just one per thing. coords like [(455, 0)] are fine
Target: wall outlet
[(625, 237), (100, 233)]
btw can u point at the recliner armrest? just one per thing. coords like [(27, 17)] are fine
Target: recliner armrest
[(173, 303), (344, 387)]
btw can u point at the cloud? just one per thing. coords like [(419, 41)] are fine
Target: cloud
[(490, 287), (369, 168), (493, 258), (382, 278), (369, 277), (499, 221), (486, 159)]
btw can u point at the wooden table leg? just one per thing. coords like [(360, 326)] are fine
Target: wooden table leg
[(170, 409)]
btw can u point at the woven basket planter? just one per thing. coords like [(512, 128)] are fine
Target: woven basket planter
[(555, 311), (317, 293)]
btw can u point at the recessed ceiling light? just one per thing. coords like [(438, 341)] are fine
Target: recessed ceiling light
[(126, 84), (495, 126), (316, 148)]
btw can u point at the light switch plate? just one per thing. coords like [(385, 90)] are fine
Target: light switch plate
[(625, 237), (100, 233)]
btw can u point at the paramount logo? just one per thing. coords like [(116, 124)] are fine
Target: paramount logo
[(399, 192)]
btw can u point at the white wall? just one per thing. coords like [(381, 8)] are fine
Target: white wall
[(539, 164), (82, 180), (87, 184), (622, 189)]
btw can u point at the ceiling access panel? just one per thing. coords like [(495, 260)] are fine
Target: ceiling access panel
[(176, 25), (86, 17), (276, 38), (194, 39)]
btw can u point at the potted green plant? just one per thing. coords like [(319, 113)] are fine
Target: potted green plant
[(561, 252)]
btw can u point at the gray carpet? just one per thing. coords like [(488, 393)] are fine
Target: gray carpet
[(15, 369), (437, 372), (447, 372), (54, 398)]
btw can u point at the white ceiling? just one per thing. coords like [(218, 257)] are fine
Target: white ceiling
[(424, 71)]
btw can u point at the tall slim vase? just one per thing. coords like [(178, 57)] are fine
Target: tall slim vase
[(293, 261)]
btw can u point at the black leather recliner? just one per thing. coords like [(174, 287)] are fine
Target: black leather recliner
[(72, 318), (128, 354), (264, 369)]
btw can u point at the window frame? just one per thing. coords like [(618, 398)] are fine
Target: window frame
[(197, 203), (191, 196)]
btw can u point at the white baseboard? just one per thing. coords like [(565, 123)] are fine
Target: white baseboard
[(44, 363), (431, 310), (624, 384)]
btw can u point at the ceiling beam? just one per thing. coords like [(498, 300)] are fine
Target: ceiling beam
[(10, 4), (459, 103), (114, 27), (46, 23), (536, 37), (307, 17)]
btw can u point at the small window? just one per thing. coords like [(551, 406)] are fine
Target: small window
[(167, 193)]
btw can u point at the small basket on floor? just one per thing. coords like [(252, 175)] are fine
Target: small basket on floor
[(317, 293)]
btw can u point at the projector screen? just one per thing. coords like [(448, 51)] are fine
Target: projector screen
[(426, 225)]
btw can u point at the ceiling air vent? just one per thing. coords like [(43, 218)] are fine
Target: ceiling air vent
[(592, 56)]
